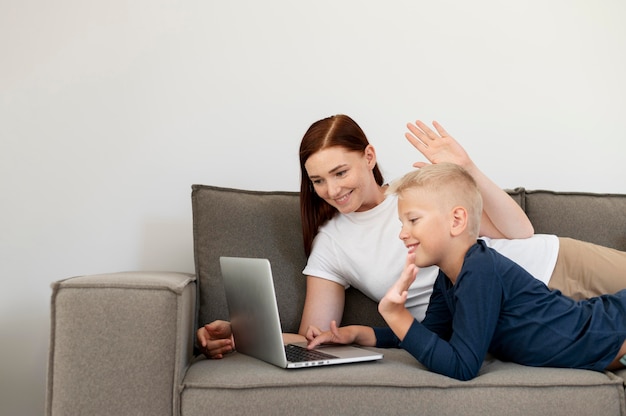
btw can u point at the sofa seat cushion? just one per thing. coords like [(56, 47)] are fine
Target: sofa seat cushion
[(239, 384)]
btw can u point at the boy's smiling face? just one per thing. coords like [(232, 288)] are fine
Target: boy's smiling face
[(425, 226)]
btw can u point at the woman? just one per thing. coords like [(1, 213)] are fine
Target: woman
[(350, 229)]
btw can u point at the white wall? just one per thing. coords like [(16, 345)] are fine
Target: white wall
[(109, 111)]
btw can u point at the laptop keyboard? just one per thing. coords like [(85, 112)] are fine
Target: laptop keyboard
[(296, 353)]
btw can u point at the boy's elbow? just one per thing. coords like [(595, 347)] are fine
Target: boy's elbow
[(462, 371), (468, 369), (464, 374), (467, 376)]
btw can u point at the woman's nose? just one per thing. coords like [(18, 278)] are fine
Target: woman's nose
[(334, 189)]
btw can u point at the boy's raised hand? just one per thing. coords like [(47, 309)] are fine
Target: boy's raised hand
[(391, 306), (396, 296)]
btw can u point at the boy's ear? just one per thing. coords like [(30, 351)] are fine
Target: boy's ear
[(459, 221)]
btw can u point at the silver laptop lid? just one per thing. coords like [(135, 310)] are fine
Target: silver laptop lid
[(255, 320), (252, 307)]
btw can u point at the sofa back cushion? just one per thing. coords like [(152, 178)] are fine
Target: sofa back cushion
[(234, 222), (231, 222), (593, 217)]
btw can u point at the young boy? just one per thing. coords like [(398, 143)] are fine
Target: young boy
[(481, 301)]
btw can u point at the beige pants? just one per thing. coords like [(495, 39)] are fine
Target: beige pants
[(585, 270)]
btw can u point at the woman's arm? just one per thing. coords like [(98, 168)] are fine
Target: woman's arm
[(323, 304), (502, 216)]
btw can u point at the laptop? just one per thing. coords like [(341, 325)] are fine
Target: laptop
[(256, 325)]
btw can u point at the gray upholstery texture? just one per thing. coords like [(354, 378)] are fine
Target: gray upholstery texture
[(597, 218), (104, 359), (229, 222), (397, 385), (120, 343)]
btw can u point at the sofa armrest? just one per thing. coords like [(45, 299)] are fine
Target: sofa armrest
[(120, 343)]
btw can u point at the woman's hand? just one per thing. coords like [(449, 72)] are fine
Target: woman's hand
[(438, 147), (335, 335), (215, 339), (502, 216), (352, 334)]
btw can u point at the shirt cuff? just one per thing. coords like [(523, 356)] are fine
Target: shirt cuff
[(385, 338)]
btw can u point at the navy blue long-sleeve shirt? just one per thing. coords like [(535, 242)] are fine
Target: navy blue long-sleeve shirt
[(497, 307)]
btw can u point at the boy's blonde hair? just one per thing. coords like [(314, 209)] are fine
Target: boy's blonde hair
[(451, 184)]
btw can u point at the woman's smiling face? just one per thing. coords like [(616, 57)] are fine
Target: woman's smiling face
[(344, 178)]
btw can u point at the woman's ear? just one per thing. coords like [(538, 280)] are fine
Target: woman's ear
[(459, 221), (370, 156)]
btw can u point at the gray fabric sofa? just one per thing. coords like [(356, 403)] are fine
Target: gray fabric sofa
[(122, 343)]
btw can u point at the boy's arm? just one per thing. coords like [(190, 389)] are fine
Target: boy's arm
[(453, 339), (438, 320), (461, 355)]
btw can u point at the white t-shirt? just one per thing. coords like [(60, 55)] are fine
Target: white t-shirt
[(363, 250)]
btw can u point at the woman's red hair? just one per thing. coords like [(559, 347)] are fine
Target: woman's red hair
[(338, 130)]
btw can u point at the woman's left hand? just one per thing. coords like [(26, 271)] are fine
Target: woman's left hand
[(335, 335), (437, 146)]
